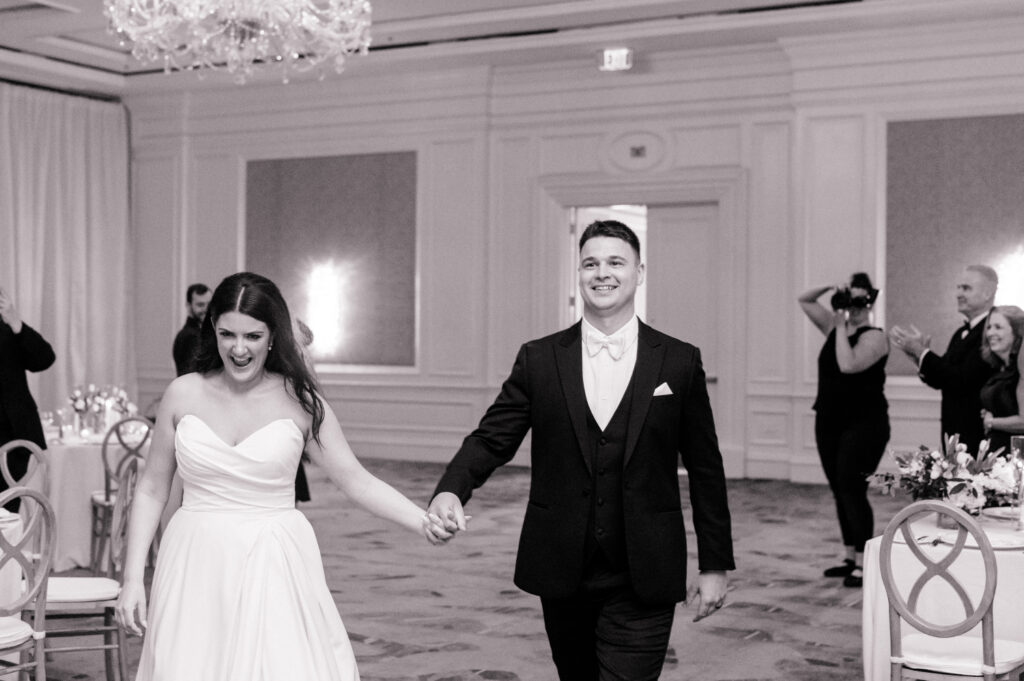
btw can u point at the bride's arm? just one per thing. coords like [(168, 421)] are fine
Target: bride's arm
[(151, 495), (335, 456)]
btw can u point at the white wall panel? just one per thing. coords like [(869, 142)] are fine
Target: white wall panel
[(511, 270), (565, 153), (707, 146), (453, 275), (770, 284), (159, 298), (216, 217)]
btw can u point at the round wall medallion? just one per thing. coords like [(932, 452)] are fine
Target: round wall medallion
[(636, 151)]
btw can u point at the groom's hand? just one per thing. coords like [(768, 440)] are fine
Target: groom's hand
[(448, 508), (709, 593)]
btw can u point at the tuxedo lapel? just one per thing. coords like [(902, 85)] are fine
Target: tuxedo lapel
[(650, 354), (569, 363)]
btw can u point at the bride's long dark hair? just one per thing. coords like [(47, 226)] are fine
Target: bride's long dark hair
[(259, 298)]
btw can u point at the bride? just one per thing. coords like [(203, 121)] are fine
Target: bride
[(239, 589)]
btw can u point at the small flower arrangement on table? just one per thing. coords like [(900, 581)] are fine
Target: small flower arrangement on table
[(97, 409), (956, 476)]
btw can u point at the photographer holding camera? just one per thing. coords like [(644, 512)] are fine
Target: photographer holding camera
[(851, 424)]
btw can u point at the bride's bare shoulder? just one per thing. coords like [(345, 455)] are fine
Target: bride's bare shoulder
[(184, 391)]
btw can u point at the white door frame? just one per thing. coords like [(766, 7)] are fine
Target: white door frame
[(725, 186)]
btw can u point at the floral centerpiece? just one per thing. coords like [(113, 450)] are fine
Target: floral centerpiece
[(966, 481), (97, 409)]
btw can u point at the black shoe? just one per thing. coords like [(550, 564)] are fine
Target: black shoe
[(855, 579), (843, 570)]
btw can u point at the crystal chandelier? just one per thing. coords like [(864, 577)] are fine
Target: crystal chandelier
[(238, 35)]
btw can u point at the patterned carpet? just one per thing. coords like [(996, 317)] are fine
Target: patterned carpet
[(420, 613)]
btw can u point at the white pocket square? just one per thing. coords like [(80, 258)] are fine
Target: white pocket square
[(662, 389)]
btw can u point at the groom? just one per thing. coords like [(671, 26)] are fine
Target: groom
[(612, 404)]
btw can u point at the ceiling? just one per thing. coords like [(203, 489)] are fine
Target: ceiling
[(65, 44)]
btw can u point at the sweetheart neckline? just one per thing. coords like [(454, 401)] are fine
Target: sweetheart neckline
[(247, 437)]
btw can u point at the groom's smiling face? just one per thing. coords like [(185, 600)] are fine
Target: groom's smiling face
[(610, 271)]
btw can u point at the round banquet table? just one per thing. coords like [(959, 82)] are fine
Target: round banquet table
[(937, 599)]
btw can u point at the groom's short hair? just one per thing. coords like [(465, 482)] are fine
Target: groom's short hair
[(613, 229)]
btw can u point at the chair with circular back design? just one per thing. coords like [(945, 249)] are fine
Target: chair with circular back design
[(124, 440), (78, 602), (36, 465), (23, 620), (938, 648)]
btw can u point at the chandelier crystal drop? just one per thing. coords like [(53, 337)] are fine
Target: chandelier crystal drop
[(240, 35)]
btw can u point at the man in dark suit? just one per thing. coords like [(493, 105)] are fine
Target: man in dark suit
[(22, 349), (186, 343), (612, 404), (961, 371)]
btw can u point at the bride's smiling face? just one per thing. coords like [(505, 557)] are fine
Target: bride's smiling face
[(243, 344)]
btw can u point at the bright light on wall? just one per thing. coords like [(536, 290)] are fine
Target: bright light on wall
[(1011, 279), (325, 307)]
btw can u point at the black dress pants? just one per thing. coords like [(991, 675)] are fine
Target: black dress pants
[(850, 449), (607, 635)]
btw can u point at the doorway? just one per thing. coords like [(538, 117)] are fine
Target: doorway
[(679, 244)]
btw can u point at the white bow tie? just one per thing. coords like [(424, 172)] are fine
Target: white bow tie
[(616, 345)]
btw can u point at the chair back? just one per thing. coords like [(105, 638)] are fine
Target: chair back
[(33, 551), (125, 440), (127, 480), (37, 464), (904, 605)]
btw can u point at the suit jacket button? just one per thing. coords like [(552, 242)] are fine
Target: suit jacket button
[(603, 441)]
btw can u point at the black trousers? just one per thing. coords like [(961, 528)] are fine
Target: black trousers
[(607, 635), (850, 449)]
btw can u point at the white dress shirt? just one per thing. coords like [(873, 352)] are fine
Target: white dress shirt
[(605, 378)]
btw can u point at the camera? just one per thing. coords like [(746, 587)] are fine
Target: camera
[(843, 300)]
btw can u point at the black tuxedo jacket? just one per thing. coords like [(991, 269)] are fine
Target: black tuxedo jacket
[(959, 374), (26, 351), (545, 394)]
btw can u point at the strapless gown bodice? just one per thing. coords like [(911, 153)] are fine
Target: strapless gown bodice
[(256, 474), (239, 592)]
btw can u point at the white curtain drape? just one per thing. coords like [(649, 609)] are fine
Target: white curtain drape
[(65, 238)]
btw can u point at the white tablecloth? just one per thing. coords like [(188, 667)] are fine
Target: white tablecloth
[(76, 471), (937, 597)]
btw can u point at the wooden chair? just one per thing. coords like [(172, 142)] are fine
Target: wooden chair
[(126, 438), (37, 465), (85, 605), (938, 649), (23, 620)]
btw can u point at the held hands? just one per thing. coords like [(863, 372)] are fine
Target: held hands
[(709, 592), (9, 313), (911, 341), (444, 519), (986, 420), (130, 611)]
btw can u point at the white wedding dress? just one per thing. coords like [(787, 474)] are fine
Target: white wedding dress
[(239, 592)]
